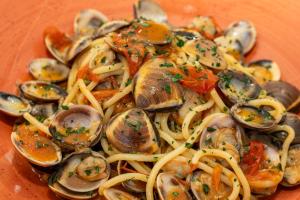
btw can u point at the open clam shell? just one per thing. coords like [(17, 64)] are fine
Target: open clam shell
[(208, 53), (13, 105), (35, 146), (57, 43), (131, 185), (77, 127), (88, 21), (109, 27), (252, 117), (168, 186), (235, 86), (81, 175), (292, 170), (41, 91), (47, 69), (244, 32), (149, 9), (264, 71), (223, 133)]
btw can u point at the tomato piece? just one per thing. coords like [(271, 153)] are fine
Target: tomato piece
[(87, 74), (253, 158), (59, 39), (104, 94), (198, 80), (133, 51)]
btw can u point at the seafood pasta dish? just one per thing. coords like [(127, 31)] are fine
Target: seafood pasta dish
[(143, 109)]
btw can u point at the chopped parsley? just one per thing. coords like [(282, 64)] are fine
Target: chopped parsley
[(210, 129), (75, 131), (103, 59), (166, 64), (177, 77), (88, 172), (70, 174), (135, 125), (205, 188), (128, 82), (167, 88), (38, 144), (180, 43), (175, 194), (40, 118), (214, 51), (188, 145), (65, 107)]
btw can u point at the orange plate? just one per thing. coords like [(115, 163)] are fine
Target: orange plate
[(21, 30)]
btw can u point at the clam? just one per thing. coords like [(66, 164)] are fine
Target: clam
[(191, 100), (170, 187), (149, 9), (292, 170), (152, 32), (132, 132), (110, 26), (292, 120), (81, 174), (57, 43), (236, 86), (202, 187), (13, 105), (154, 88), (47, 69), (284, 92), (206, 25), (253, 117), (130, 185), (79, 44), (244, 32), (230, 46), (223, 133), (269, 167), (180, 166), (264, 71), (88, 21), (115, 194), (42, 91), (208, 53), (186, 33), (44, 110), (35, 146), (77, 127)]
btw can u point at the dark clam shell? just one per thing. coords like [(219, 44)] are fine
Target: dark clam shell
[(284, 92), (235, 87)]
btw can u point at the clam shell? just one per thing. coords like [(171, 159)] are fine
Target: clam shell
[(42, 91), (13, 105), (47, 69)]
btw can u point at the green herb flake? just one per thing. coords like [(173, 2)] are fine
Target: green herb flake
[(177, 77), (128, 82), (70, 174), (166, 64), (175, 194), (180, 43), (65, 107), (188, 145), (167, 88), (88, 172), (210, 129), (205, 188)]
